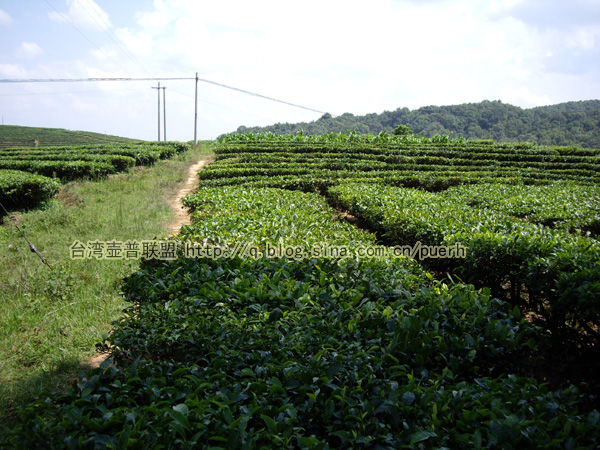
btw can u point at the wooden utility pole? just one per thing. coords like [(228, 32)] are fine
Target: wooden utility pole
[(158, 92), (164, 88), (165, 113), (196, 113)]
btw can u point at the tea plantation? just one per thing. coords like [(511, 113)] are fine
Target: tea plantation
[(30, 176), (250, 349)]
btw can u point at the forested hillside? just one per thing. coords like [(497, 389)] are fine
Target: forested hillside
[(571, 123)]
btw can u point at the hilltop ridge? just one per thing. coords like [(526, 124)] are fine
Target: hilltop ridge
[(570, 123)]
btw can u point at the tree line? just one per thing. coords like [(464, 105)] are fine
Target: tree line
[(570, 123)]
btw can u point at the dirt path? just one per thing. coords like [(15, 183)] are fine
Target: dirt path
[(181, 215), (181, 218)]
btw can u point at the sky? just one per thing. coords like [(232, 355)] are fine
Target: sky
[(332, 56)]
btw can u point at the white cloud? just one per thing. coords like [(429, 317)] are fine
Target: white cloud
[(28, 50), (5, 18), (352, 56), (584, 38), (337, 56), (523, 96), (12, 71), (157, 19), (567, 33), (138, 43), (85, 14)]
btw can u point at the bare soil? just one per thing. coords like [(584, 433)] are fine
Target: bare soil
[(181, 215)]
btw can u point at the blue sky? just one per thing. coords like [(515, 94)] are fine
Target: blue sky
[(330, 55)]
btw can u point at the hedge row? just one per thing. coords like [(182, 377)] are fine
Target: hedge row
[(430, 180), (65, 170), (144, 153), (71, 163), (22, 190), (417, 155), (566, 205), (550, 271), (414, 149), (549, 171), (258, 160), (119, 162), (315, 353)]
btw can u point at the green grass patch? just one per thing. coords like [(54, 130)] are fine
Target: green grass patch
[(50, 320)]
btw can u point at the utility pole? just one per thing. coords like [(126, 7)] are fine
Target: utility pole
[(196, 113), (165, 112), (158, 92), (164, 88)]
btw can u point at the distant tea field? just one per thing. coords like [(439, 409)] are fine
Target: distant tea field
[(20, 136), (29, 176)]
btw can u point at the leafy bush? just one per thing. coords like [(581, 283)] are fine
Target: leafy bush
[(316, 162), (22, 190), (246, 215), (564, 205), (119, 162), (556, 272), (65, 170), (70, 163), (325, 353), (243, 353)]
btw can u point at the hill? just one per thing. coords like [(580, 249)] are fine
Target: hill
[(18, 136), (571, 123)]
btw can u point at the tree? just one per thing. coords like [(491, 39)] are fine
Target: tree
[(403, 130), (573, 123)]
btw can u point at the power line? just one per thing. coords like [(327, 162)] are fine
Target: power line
[(71, 92), (68, 80), (219, 105), (71, 80), (260, 95)]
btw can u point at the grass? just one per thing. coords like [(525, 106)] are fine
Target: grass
[(50, 320)]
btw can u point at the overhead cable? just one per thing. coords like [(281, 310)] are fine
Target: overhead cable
[(260, 95), (68, 80)]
